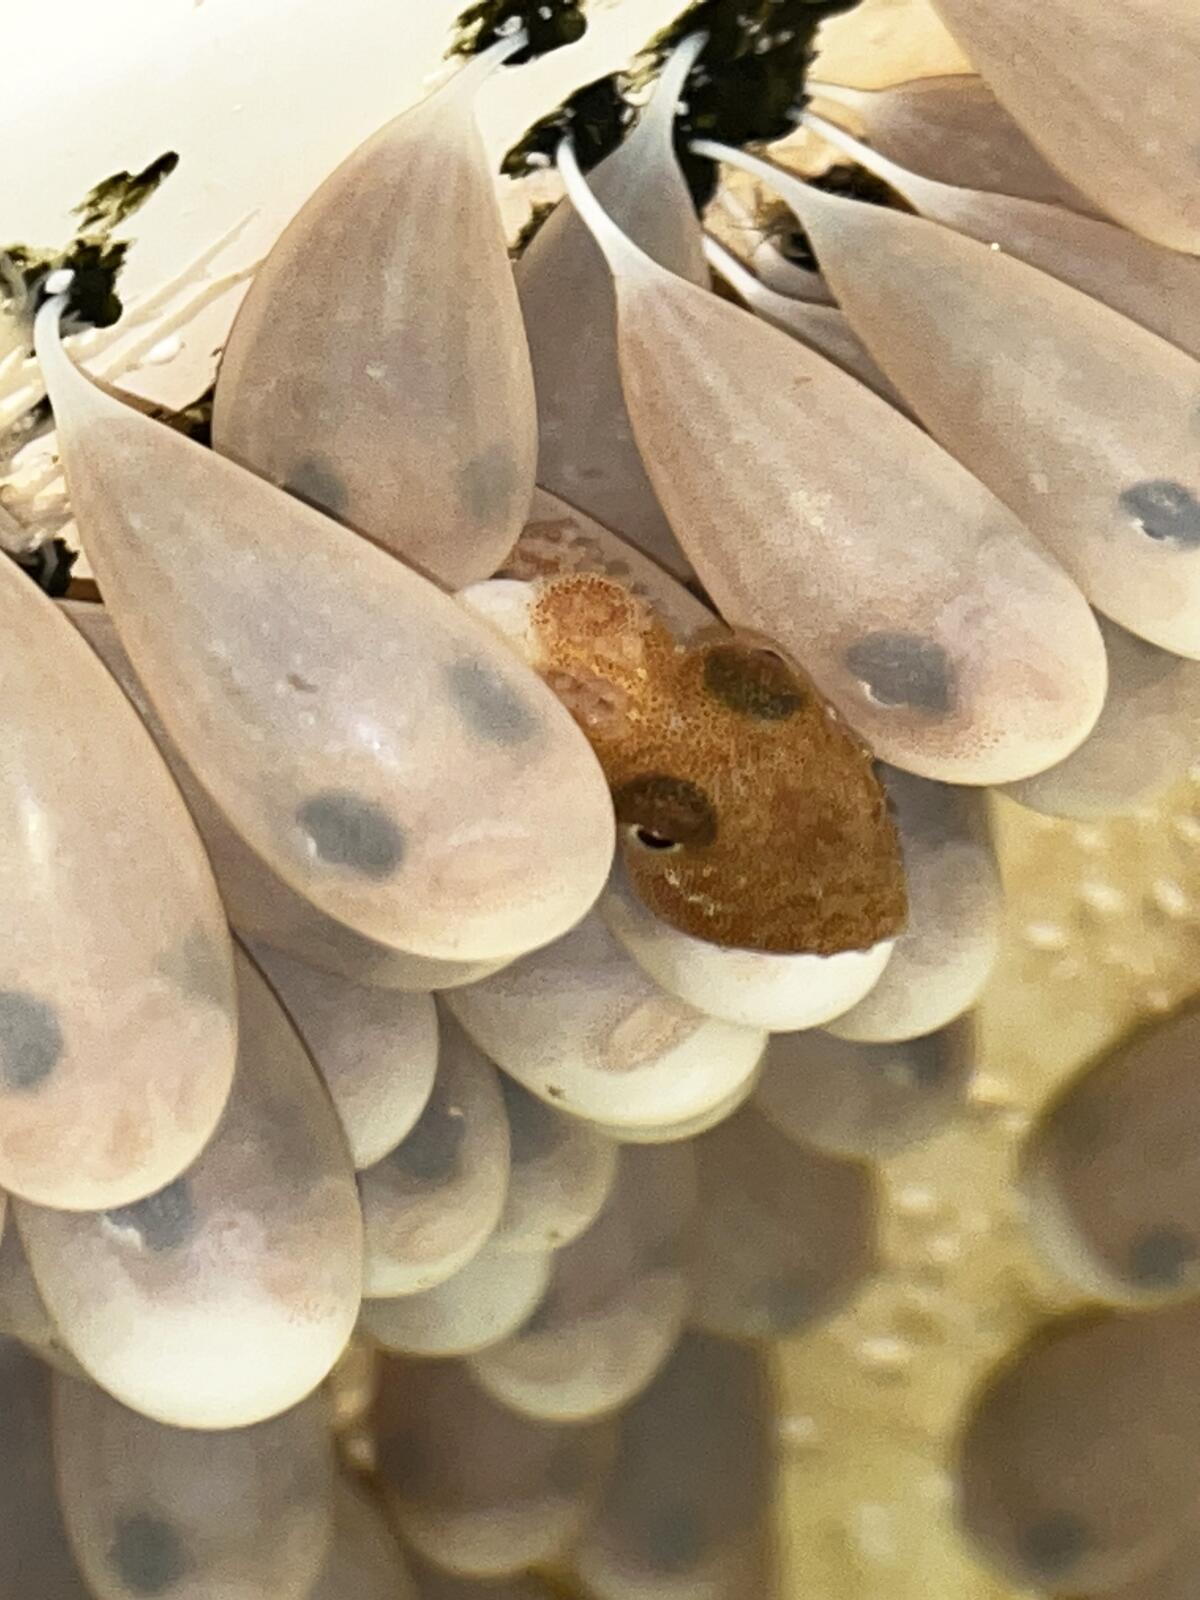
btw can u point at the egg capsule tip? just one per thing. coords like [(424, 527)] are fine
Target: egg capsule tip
[(626, 260), (663, 105), (880, 166), (801, 197)]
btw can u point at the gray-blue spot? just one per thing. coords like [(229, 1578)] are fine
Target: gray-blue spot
[(147, 1555), (487, 481), (348, 831), (1164, 510), (164, 1220), (1160, 1257), (903, 669), (926, 1061), (534, 1129), (318, 483), (1052, 1547), (491, 708), (789, 1303), (430, 1153), (31, 1039), (200, 969)]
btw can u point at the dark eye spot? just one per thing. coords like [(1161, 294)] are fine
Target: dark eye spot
[(490, 706), (31, 1039), (671, 810), (789, 1303), (347, 831), (1052, 1547), (1159, 1257), (925, 1062), (319, 484), (535, 1130), (147, 1555), (200, 969), (673, 1537), (430, 1153), (164, 1220), (1164, 510), (754, 683), (488, 480), (902, 669)]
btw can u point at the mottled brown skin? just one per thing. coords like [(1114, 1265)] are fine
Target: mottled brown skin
[(751, 815)]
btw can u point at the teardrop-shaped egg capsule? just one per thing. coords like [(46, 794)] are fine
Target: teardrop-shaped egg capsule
[(949, 945), (1109, 95), (1158, 287), (580, 1025), (365, 1561), (169, 1511), (686, 1513), (975, 659), (953, 129), (1075, 1465), (483, 1303), (471, 1486), (866, 1100), (615, 1304), (434, 1201), (786, 1234), (258, 903), (822, 328), (753, 989), (118, 1023), (226, 1297), (1079, 419), (382, 751), (35, 1558), (586, 451), (561, 1173), (378, 366), (23, 1313), (1111, 1171), (375, 1048), (1147, 736)]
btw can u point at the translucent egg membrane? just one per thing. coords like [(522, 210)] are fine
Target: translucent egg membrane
[(382, 751), (378, 366), (259, 904), (364, 1561), (480, 1305), (973, 660), (154, 1510), (474, 1488), (226, 1297), (117, 1009)]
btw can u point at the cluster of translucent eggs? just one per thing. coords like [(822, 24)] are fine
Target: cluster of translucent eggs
[(512, 850)]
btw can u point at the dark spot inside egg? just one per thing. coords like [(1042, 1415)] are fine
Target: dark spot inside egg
[(903, 669), (199, 968), (487, 481), (1160, 1257), (431, 1151), (318, 483), (789, 1303), (147, 1555), (490, 707), (347, 831), (535, 1130), (1164, 510), (164, 1220), (1053, 1546), (31, 1039), (673, 1536)]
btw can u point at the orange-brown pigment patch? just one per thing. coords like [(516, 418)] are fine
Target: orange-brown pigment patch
[(751, 815)]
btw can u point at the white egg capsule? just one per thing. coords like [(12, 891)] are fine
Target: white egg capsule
[(581, 1026), (973, 660), (865, 1100), (378, 366), (1078, 419), (561, 1174), (167, 1511), (615, 1303), (258, 903), (472, 1487), (382, 751), (587, 452), (1108, 96), (375, 1048), (226, 1297), (945, 955), (482, 1304), (118, 1017), (786, 1234), (434, 1201)]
